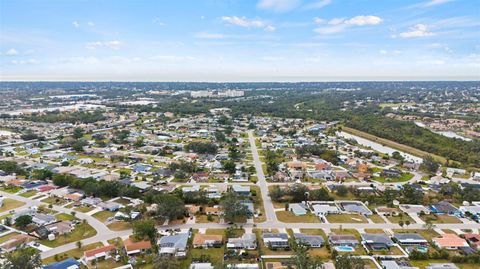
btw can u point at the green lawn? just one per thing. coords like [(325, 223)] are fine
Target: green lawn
[(9, 204), (80, 232), (377, 219), (103, 215), (7, 236), (83, 209), (28, 194), (11, 189), (64, 216), (289, 217), (119, 226), (346, 218), (424, 264), (403, 177), (440, 219), (204, 219), (54, 201), (398, 218)]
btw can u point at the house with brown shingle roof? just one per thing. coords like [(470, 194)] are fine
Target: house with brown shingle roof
[(98, 253), (207, 240), (133, 248)]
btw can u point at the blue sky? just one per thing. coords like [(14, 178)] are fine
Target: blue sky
[(239, 40)]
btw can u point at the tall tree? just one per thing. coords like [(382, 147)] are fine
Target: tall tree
[(23, 258)]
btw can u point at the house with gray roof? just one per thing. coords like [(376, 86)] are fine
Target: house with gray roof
[(275, 240), (298, 209), (356, 208), (442, 266), (313, 241), (241, 190), (396, 265), (247, 241), (410, 239), (377, 241), (343, 240), (175, 245)]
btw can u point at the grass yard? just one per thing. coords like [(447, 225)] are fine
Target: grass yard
[(423, 264), (289, 217), (122, 201), (74, 253), (346, 218), (374, 231), (83, 209), (81, 231), (403, 177), (204, 219), (7, 236), (119, 226), (398, 218), (377, 219), (28, 194), (9, 204), (440, 219), (54, 201), (11, 189), (64, 216), (103, 215)]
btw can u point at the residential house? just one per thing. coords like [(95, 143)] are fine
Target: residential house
[(450, 241), (473, 240), (175, 245), (15, 242), (358, 208), (247, 241), (444, 207), (396, 265), (133, 248), (41, 219), (101, 253), (442, 266), (377, 241), (69, 263), (410, 239), (241, 190), (323, 209), (201, 265), (343, 240), (298, 209), (207, 240), (313, 241), (275, 240), (110, 206)]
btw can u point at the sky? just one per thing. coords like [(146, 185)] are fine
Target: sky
[(239, 40)]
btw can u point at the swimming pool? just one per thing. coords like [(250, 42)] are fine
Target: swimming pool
[(422, 249), (345, 249)]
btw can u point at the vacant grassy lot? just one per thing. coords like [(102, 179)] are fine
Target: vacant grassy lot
[(54, 201), (9, 204), (346, 218), (83, 209), (377, 219), (119, 226), (11, 189), (440, 219), (289, 217), (103, 215), (204, 219), (64, 216), (7, 236), (403, 217), (81, 231), (28, 194)]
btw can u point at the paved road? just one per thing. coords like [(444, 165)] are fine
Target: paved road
[(262, 183)]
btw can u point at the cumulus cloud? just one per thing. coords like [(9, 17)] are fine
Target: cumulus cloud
[(247, 23), (11, 52), (113, 44), (76, 24), (278, 5), (91, 24), (418, 30), (337, 25)]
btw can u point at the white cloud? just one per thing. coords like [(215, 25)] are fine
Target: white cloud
[(158, 22), (248, 23), (173, 58), (206, 35), (272, 58), (79, 60), (435, 2), (76, 24), (243, 22), (338, 25), (11, 52), (91, 24), (270, 28), (318, 20), (278, 5), (25, 62), (113, 44), (318, 4), (363, 20), (418, 30), (390, 52)]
